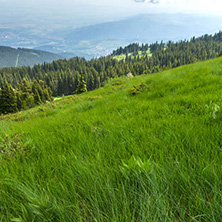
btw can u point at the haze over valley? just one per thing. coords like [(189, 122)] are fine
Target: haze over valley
[(94, 30)]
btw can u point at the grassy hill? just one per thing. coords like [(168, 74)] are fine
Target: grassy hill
[(141, 149), (11, 57)]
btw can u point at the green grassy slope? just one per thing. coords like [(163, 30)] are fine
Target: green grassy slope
[(140, 54), (10, 57), (108, 155)]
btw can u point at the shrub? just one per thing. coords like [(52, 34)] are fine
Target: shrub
[(11, 146), (139, 88)]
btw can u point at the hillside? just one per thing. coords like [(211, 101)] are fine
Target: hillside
[(11, 57), (141, 149)]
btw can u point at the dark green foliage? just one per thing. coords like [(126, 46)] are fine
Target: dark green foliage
[(26, 96), (7, 99), (220, 54), (82, 86), (132, 48), (37, 92)]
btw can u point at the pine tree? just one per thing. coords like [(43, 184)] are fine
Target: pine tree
[(27, 97), (35, 91), (82, 86), (8, 100)]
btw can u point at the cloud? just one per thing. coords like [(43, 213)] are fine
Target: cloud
[(164, 1), (149, 1)]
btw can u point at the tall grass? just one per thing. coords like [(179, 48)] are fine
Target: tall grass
[(108, 155)]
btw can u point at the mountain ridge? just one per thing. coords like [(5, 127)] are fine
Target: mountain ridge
[(143, 28), (153, 22), (14, 57)]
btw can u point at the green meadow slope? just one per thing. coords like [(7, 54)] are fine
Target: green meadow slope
[(141, 149)]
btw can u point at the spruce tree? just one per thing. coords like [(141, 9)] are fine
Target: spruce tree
[(35, 91), (81, 86), (27, 97), (8, 99)]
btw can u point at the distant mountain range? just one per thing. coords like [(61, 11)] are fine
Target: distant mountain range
[(147, 28), (101, 39), (11, 57)]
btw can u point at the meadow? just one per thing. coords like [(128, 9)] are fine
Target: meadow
[(147, 148), (140, 54)]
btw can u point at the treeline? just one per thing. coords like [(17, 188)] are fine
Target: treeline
[(132, 48), (63, 76), (135, 48), (26, 96)]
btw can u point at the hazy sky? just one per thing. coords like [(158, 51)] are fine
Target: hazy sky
[(137, 6), (85, 11)]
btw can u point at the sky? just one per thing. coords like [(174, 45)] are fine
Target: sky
[(84, 12), (210, 7), (46, 18), (174, 6)]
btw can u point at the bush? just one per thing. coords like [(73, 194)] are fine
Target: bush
[(139, 88), (10, 147)]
